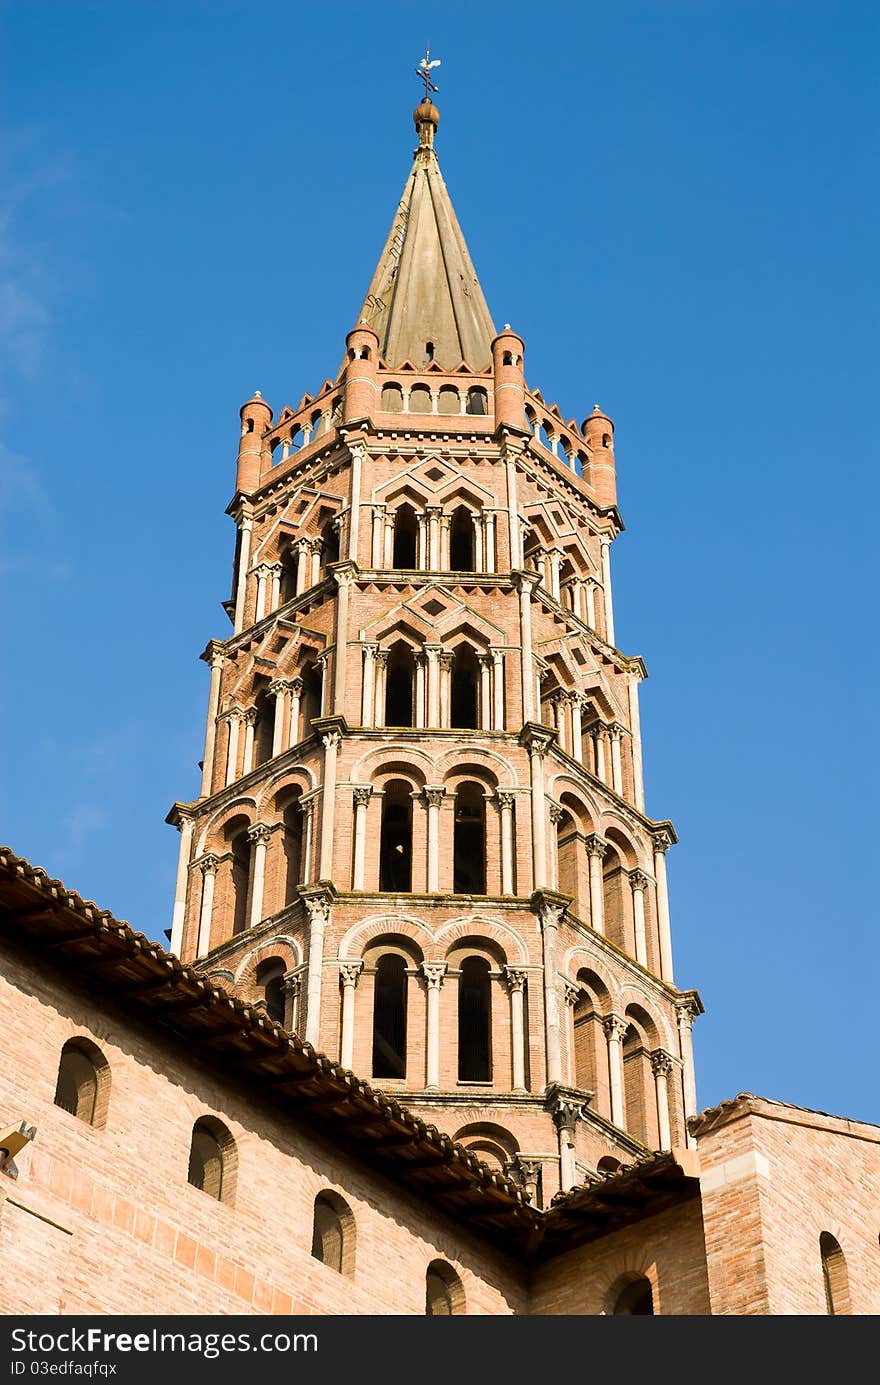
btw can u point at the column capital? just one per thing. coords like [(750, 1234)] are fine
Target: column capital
[(485, 659), (434, 973), (304, 544), (537, 738), (556, 812), (209, 863), (362, 793), (445, 658), (292, 983), (262, 570), (278, 685), (504, 798), (181, 816), (550, 907), (689, 1007), (380, 656), (307, 807), (233, 713), (317, 900), (295, 685), (349, 972), (249, 716), (567, 1107), (331, 740), (525, 581), (572, 993), (379, 508), (661, 1063), (515, 979), (433, 510), (434, 794), (638, 879), (258, 833), (528, 1169), (662, 840), (615, 1027), (344, 574), (214, 654), (617, 730), (596, 846)]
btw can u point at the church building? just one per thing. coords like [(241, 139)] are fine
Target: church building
[(417, 1044)]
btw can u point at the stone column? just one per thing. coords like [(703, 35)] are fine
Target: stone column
[(516, 984), (550, 916), (292, 989), (307, 808), (258, 836), (445, 525), (362, 795), (388, 541), (479, 556), (217, 659), (433, 513), (576, 587), (596, 849), (208, 866), (599, 731), (505, 805), (525, 583), (368, 687), (185, 825), (274, 586), (577, 741), (485, 662), (318, 910), (615, 1028), (331, 741), (661, 1066), (420, 661), (431, 652), (572, 994), (262, 574), (498, 690), (422, 542), (616, 761), (686, 1015), (606, 583), (348, 975), (434, 973), (555, 820), (234, 719), (249, 717), (662, 842), (317, 549), (434, 795), (278, 689), (303, 565), (555, 570), (344, 579), (639, 883), (358, 452), (245, 526), (515, 540), (537, 747), (378, 530), (558, 703), (529, 1171), (444, 659), (565, 1118), (591, 603), (296, 686), (636, 744), (491, 552), (380, 662)]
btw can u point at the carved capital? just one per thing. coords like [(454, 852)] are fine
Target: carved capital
[(434, 795), (434, 973), (515, 979), (362, 795), (343, 576), (349, 973), (662, 841), (381, 657), (292, 984), (445, 658), (687, 1013), (296, 686), (277, 687), (596, 846), (318, 910), (208, 864), (638, 879), (615, 1028), (307, 807), (661, 1063), (258, 833), (566, 1113), (331, 740), (551, 915), (249, 716), (556, 812), (572, 993), (504, 798)]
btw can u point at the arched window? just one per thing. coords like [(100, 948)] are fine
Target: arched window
[(83, 1085), (448, 402), (310, 698), (461, 541), (333, 1233), (395, 845), (465, 682), (405, 535), (399, 685), (330, 543), (636, 1299), (293, 834), (389, 1016), (469, 841), (270, 980), (240, 849), (264, 727), (474, 1021), (476, 402), (420, 400), (835, 1274), (287, 558), (444, 1292), (392, 399), (213, 1159)]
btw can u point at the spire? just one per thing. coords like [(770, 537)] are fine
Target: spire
[(425, 288)]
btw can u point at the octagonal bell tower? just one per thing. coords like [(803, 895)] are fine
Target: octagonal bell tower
[(421, 838)]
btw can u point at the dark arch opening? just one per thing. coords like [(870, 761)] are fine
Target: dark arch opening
[(270, 980), (444, 1292), (405, 537), (333, 1233), (83, 1084), (212, 1159), (474, 1021), (461, 541), (293, 835), (635, 1300), (389, 1016), (310, 698), (287, 589), (395, 847), (264, 727), (465, 682), (476, 402), (469, 841), (399, 685), (330, 542)]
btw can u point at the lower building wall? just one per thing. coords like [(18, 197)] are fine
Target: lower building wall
[(667, 1249), (104, 1220)]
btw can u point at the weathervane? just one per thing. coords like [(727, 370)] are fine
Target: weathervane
[(424, 72)]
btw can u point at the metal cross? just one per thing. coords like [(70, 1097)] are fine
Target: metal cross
[(424, 72)]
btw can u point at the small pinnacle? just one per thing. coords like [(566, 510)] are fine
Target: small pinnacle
[(258, 395), (596, 409), (506, 327)]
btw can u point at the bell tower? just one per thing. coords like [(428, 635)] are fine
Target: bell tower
[(421, 838)]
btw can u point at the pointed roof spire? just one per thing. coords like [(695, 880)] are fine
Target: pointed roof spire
[(424, 301)]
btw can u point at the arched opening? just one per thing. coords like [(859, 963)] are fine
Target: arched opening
[(567, 844), (405, 537), (83, 1085), (212, 1159), (389, 1016), (264, 727), (329, 543), (465, 682), (469, 841), (448, 402), (399, 685), (444, 1291), (420, 400), (395, 845), (293, 843), (636, 1299), (270, 981), (608, 1164), (835, 1275), (474, 1021), (333, 1233), (240, 852), (461, 540), (640, 1102), (392, 399), (477, 402), (310, 698), (287, 586)]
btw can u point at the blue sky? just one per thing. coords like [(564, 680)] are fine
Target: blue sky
[(675, 204)]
